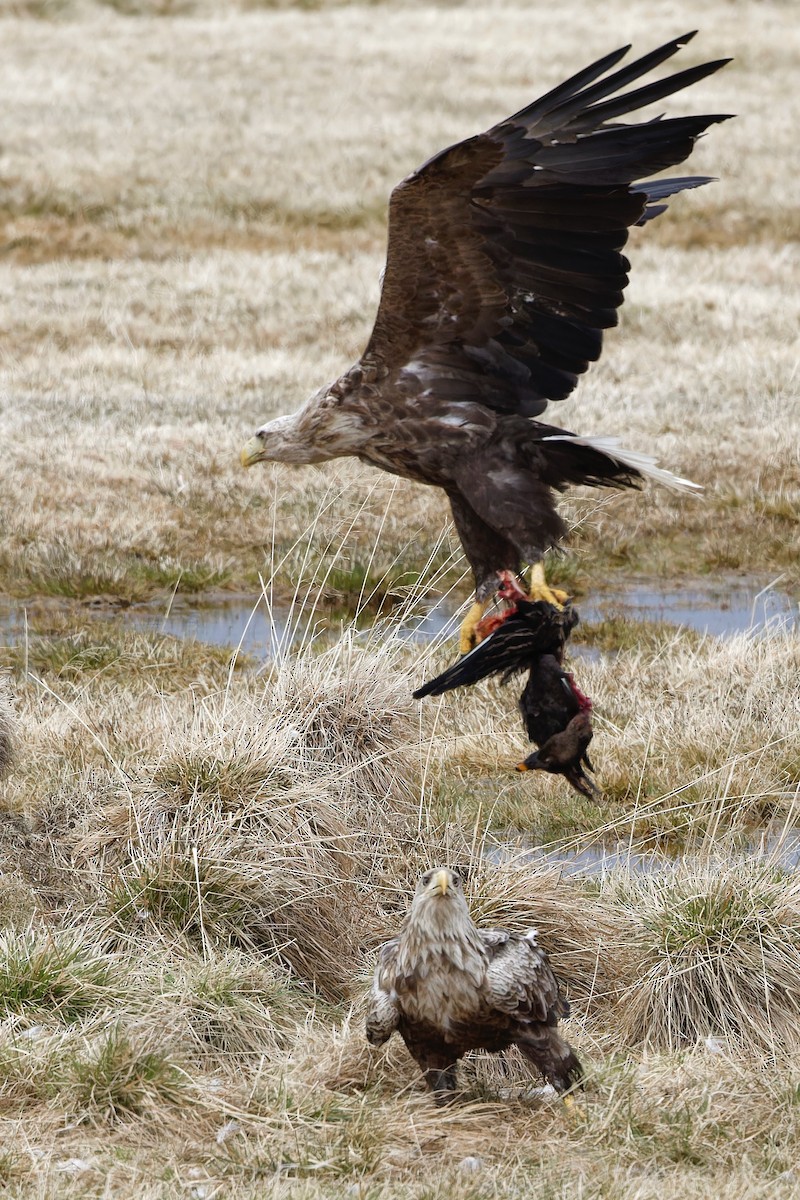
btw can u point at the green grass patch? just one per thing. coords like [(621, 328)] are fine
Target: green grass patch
[(45, 976), (119, 1078), (58, 570), (235, 1006), (210, 901), (229, 783)]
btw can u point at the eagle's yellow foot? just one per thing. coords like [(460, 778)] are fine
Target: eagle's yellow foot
[(475, 626), (468, 637), (539, 589)]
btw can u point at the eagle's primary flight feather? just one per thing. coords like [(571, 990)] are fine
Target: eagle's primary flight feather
[(504, 266)]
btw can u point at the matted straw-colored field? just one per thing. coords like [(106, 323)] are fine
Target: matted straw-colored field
[(199, 859)]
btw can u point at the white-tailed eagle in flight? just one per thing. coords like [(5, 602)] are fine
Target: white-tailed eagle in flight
[(504, 266)]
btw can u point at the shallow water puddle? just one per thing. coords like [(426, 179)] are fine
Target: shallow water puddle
[(711, 607), (262, 633), (716, 608), (781, 850)]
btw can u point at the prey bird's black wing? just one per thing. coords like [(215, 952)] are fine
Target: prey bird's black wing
[(535, 629)]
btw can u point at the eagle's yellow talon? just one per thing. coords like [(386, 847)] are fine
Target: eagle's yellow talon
[(468, 638), (539, 589)]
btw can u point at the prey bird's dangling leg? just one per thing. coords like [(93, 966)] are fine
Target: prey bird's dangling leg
[(539, 589)]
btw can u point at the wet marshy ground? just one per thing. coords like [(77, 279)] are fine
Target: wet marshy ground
[(249, 624), (615, 618), (779, 846)]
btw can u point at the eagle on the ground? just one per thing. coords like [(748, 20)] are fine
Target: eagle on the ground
[(448, 987), (503, 268)]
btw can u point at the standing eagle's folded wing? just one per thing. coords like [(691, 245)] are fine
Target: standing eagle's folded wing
[(383, 1014), (504, 259), (519, 977), (521, 984)]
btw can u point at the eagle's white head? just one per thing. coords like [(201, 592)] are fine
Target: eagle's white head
[(322, 429), (439, 932), (282, 440), (439, 904)]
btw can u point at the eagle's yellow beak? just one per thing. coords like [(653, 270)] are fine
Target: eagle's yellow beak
[(252, 452), (441, 882)]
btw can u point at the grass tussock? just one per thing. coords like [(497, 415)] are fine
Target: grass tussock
[(56, 976), (718, 957), (6, 727), (120, 1077), (265, 818)]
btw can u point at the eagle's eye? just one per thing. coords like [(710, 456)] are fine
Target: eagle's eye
[(456, 880), (427, 878)]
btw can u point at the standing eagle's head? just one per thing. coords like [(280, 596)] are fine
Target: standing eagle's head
[(439, 905), (436, 885), (439, 928)]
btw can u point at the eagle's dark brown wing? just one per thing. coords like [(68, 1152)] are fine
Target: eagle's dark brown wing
[(504, 263)]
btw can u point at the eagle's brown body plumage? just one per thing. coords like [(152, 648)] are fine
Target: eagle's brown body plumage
[(448, 987), (504, 267)]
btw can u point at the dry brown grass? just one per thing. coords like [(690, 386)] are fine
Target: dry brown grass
[(695, 738), (192, 249), (198, 862), (198, 867)]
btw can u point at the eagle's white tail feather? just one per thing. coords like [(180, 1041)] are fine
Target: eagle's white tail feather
[(645, 464)]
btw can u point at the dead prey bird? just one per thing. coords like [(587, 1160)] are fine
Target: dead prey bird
[(555, 712), (565, 753), (504, 267), (448, 987)]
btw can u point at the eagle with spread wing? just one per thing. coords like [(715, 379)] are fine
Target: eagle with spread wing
[(504, 266), (448, 987)]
